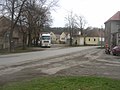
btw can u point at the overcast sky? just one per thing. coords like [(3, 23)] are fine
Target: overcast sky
[(96, 12)]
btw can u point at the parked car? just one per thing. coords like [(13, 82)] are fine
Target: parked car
[(116, 50)]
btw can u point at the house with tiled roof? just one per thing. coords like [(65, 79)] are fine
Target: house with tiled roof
[(94, 37), (53, 38), (112, 30), (63, 37), (5, 31)]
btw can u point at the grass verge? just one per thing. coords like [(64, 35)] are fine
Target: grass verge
[(20, 50), (65, 83)]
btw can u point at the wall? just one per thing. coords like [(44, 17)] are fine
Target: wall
[(4, 31), (53, 38), (108, 33), (115, 26), (92, 40), (80, 40), (111, 30), (63, 38)]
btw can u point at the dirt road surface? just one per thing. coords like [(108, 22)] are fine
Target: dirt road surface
[(91, 62)]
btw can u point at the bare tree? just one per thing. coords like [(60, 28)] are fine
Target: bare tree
[(23, 30), (37, 14), (13, 9), (71, 24), (80, 23), (34, 13)]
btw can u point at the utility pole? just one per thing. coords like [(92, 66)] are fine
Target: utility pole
[(101, 36)]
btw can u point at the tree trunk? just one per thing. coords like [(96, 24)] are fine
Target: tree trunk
[(29, 38), (24, 41)]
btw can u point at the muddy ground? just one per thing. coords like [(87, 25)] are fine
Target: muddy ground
[(92, 62)]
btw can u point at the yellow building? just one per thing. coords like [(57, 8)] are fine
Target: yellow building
[(93, 37), (63, 38), (53, 38), (92, 40)]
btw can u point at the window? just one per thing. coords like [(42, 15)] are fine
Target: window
[(89, 39)]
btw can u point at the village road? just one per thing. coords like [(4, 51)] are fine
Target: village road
[(26, 57), (74, 61)]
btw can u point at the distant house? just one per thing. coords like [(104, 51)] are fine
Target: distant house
[(94, 37), (112, 30), (53, 38), (90, 37), (63, 38), (68, 38), (4, 33), (78, 40)]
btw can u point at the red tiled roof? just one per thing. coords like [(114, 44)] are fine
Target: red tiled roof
[(114, 17), (95, 33)]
